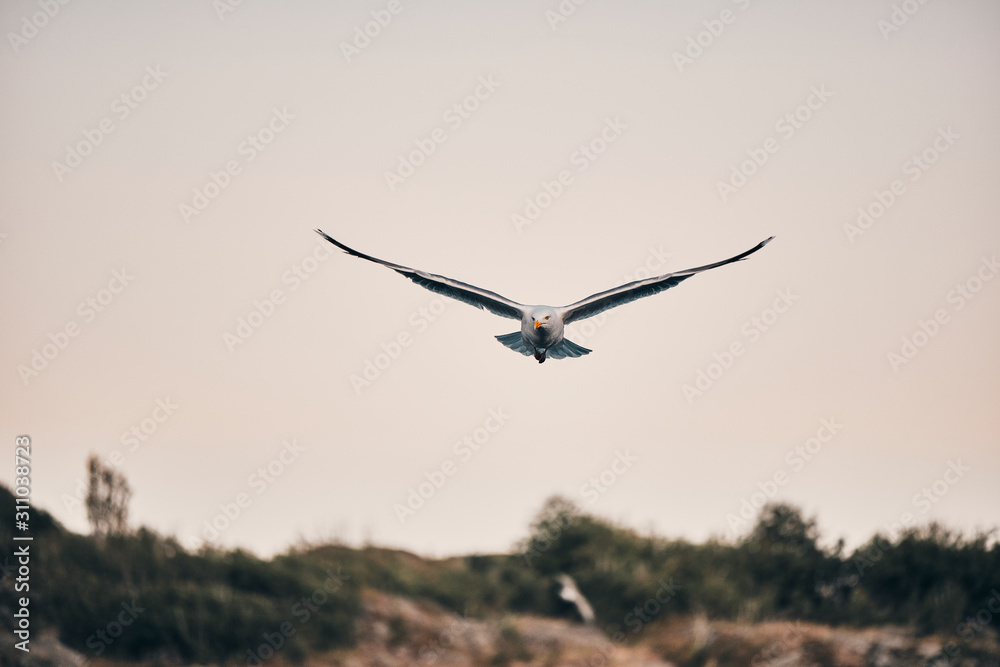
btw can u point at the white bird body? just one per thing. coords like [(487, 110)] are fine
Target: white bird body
[(543, 327), (570, 593)]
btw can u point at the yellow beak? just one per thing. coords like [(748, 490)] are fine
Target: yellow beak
[(537, 324)]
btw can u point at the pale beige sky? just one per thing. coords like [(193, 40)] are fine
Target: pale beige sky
[(840, 106)]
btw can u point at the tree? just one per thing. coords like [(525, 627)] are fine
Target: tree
[(108, 494), (786, 562), (782, 528), (546, 547)]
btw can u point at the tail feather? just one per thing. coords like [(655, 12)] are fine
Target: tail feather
[(567, 348), (515, 341), (562, 350)]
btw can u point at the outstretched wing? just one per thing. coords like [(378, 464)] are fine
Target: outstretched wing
[(470, 294), (598, 303)]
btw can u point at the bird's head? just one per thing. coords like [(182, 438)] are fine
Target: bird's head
[(543, 318)]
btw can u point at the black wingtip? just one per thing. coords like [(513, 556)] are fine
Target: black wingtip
[(743, 256), (337, 243), (355, 253)]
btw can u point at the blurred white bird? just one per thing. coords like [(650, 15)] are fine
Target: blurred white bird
[(572, 594), (541, 331)]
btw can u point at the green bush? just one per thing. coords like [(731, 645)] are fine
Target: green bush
[(928, 578)]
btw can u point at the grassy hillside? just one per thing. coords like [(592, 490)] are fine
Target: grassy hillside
[(202, 607), (929, 578), (215, 606)]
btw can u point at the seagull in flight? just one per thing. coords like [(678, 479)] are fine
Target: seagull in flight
[(542, 327)]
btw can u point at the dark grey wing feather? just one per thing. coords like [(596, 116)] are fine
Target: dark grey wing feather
[(598, 303), (470, 294)]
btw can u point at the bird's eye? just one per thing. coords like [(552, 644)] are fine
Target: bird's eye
[(546, 317)]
